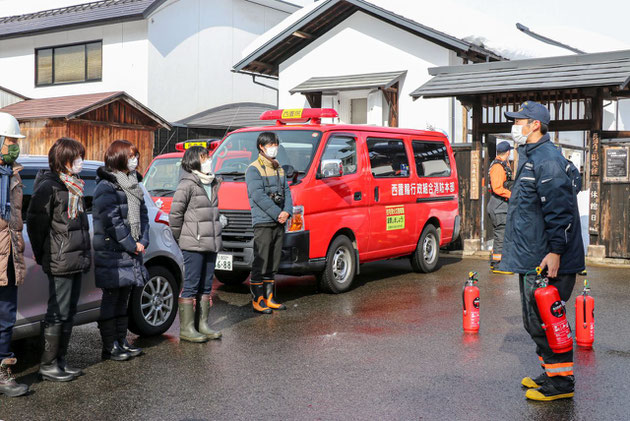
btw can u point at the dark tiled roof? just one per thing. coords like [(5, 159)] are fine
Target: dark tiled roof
[(236, 115), (74, 106), (87, 14), (349, 82), (326, 15), (573, 71)]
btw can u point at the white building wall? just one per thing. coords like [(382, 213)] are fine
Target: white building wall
[(124, 61), (192, 47), (363, 44)]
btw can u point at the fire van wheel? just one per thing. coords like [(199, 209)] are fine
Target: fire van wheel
[(231, 278), (340, 266), (425, 258)]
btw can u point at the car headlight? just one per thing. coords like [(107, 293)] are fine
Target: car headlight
[(296, 222)]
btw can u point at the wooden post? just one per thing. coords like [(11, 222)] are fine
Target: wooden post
[(595, 172)]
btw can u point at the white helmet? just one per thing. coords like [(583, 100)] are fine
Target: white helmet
[(9, 126)]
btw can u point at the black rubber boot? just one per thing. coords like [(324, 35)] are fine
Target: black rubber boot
[(270, 291), (8, 385), (49, 367), (258, 299), (111, 348), (121, 329), (201, 317), (66, 333)]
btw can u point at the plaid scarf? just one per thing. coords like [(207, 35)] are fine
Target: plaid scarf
[(129, 184), (6, 171), (75, 193)]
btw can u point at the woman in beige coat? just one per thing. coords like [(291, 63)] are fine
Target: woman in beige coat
[(12, 268)]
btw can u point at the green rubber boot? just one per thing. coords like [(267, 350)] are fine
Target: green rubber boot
[(203, 310), (187, 331)]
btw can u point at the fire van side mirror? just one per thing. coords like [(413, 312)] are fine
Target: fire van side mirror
[(331, 168)]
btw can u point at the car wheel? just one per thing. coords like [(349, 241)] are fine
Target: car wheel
[(425, 258), (231, 277), (153, 308), (341, 266)]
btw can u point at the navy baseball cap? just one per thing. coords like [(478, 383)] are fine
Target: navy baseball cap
[(503, 147), (530, 109)]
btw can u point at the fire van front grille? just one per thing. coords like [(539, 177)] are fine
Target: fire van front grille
[(239, 222)]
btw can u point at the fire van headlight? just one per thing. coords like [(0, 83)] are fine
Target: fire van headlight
[(296, 222)]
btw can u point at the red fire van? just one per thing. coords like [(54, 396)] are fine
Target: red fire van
[(360, 194)]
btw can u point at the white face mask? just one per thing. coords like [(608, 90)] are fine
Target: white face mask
[(132, 163), (77, 166), (206, 166), (518, 136), (271, 151)]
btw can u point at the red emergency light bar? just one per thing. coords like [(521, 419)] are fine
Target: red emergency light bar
[(297, 115), (209, 144)]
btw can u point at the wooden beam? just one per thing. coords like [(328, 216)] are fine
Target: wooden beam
[(615, 135), (301, 34)]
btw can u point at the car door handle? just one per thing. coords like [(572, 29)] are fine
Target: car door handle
[(357, 195), (376, 194)]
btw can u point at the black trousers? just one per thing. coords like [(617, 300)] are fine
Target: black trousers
[(268, 241), (63, 297), (559, 367), (114, 303), (497, 211)]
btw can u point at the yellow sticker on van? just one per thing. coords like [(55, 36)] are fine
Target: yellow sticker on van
[(395, 217), (292, 113)]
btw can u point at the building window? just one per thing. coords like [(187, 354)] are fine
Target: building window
[(431, 159), (69, 64)]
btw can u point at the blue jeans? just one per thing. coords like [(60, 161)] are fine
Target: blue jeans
[(198, 273), (8, 311)]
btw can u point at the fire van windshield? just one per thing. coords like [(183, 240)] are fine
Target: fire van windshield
[(237, 151)]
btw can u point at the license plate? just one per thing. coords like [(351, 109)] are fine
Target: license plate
[(224, 262)]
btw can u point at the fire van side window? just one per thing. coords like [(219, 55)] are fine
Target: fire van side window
[(431, 159), (344, 149), (388, 158)]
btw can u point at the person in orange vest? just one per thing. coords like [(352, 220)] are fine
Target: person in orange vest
[(501, 180)]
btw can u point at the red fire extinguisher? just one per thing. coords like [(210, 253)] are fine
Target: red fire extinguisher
[(553, 315), (585, 318), (470, 299)]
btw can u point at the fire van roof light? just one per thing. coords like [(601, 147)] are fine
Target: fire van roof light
[(296, 115)]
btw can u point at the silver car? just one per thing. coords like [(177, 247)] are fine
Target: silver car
[(152, 308)]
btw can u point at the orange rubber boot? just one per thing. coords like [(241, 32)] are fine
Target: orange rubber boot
[(269, 289), (258, 301)]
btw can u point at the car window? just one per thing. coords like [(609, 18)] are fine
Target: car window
[(431, 159), (238, 150), (28, 180), (388, 158), (162, 178), (344, 149)]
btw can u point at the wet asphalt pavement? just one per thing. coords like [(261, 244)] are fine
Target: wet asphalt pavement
[(391, 348)]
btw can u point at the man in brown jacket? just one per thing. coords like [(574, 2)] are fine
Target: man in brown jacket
[(12, 267)]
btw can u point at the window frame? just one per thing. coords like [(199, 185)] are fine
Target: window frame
[(388, 139), (448, 158), (85, 64)]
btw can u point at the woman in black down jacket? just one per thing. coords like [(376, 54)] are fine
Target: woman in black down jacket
[(121, 234), (59, 234)]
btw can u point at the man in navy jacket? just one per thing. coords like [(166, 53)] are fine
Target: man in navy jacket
[(542, 229)]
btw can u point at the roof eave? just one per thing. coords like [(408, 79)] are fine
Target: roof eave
[(456, 44)]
